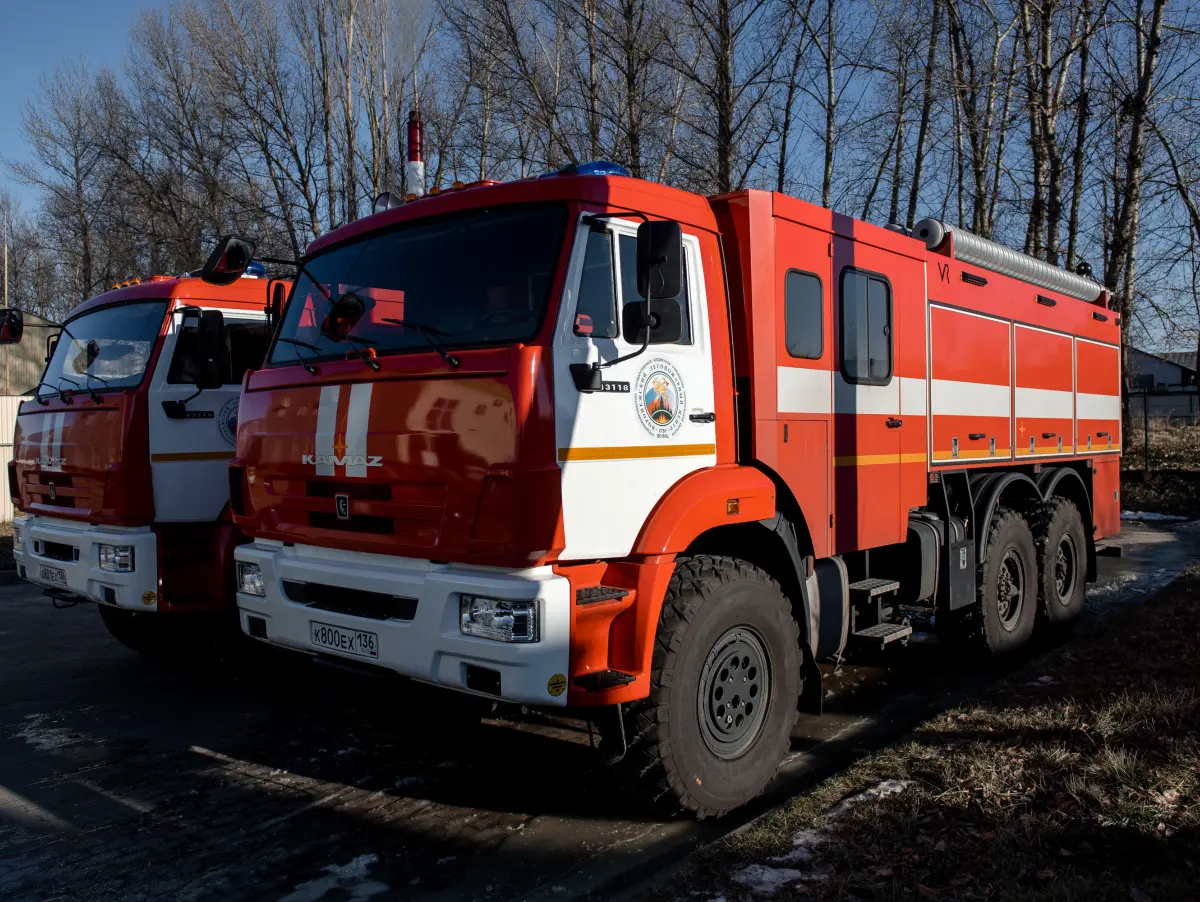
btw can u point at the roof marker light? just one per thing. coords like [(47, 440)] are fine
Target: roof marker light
[(595, 167), (255, 270)]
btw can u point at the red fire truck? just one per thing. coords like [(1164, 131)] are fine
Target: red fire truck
[(590, 441), (120, 456)]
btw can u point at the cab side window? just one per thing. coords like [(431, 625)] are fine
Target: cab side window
[(629, 290), (245, 348), (866, 315)]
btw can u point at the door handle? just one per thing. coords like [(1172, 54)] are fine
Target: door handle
[(709, 417), (894, 423)]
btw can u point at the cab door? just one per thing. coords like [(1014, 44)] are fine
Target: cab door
[(190, 448), (866, 403), (622, 448)]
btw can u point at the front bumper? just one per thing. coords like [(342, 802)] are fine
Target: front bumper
[(429, 647), (78, 542)]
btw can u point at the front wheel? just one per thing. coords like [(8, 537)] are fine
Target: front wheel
[(724, 683)]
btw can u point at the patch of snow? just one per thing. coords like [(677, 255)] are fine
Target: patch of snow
[(1150, 516), (351, 879), (447, 859), (407, 781), (759, 878), (1118, 583), (42, 737), (766, 878)]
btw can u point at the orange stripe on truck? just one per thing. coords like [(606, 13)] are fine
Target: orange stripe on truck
[(635, 452)]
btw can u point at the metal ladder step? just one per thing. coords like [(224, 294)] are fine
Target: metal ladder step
[(873, 587), (883, 633)]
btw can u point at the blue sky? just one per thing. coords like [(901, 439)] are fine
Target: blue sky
[(38, 34)]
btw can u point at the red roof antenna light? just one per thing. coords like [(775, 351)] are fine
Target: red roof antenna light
[(416, 154)]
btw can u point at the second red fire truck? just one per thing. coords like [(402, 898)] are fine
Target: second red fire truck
[(590, 441), (120, 456)]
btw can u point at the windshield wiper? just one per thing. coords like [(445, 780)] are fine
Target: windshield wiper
[(304, 362), (88, 387), (61, 380), (359, 344), (424, 332)]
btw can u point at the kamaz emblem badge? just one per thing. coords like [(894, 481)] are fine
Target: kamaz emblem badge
[(660, 397), (341, 503)]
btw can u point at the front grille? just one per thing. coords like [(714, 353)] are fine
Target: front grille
[(379, 526), (59, 552), (357, 491), (352, 602)]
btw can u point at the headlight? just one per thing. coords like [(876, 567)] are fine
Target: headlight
[(18, 543), (504, 621), (117, 558), (249, 579)]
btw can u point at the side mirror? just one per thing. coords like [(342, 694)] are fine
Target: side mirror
[(12, 326), (346, 311), (659, 259), (276, 295), (228, 261), (210, 343), (665, 321)]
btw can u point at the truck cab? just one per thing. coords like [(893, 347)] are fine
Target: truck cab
[(120, 454)]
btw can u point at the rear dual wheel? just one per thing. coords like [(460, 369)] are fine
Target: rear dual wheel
[(1002, 619), (724, 683), (1062, 556)]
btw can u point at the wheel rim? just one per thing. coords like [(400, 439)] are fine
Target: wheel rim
[(735, 689), (1010, 589), (1066, 569)]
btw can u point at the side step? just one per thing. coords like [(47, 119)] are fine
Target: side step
[(883, 633), (872, 588)]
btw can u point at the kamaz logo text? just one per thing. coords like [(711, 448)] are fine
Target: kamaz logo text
[(348, 460)]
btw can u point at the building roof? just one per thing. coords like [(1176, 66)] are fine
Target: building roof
[(1185, 359)]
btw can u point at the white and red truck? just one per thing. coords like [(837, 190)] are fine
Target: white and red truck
[(120, 457), (590, 441)]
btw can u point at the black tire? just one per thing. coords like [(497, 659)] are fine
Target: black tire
[(1006, 585), (137, 631), (1062, 561), (726, 630)]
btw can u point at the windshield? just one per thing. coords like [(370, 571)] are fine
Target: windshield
[(461, 281), (112, 345)]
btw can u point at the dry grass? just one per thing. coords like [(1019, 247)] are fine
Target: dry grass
[(1171, 484), (1077, 778), (1171, 447)]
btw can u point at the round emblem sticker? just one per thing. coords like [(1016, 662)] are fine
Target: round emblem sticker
[(227, 421), (660, 397), (556, 685)]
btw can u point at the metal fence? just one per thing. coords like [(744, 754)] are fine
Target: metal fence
[(1174, 406)]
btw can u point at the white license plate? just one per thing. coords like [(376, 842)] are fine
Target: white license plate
[(55, 575), (348, 642)]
